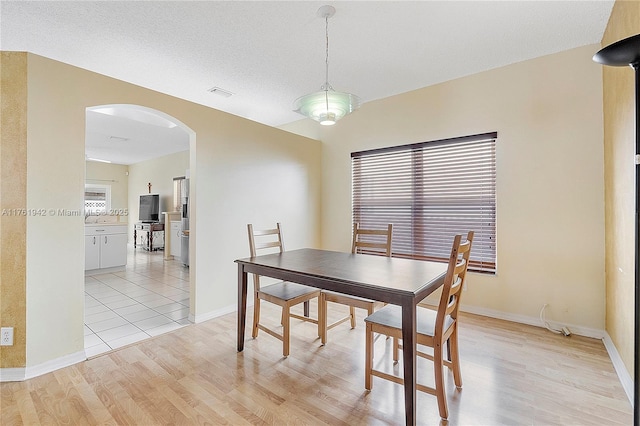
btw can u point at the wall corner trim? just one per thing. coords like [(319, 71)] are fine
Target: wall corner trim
[(618, 365)]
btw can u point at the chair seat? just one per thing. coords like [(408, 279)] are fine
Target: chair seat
[(391, 316), (286, 291)]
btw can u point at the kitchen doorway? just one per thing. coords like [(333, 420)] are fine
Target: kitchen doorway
[(134, 150)]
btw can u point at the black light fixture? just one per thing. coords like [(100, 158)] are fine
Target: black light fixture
[(619, 54)]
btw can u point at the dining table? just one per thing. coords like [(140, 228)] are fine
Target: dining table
[(399, 281)]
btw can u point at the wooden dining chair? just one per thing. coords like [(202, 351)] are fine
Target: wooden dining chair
[(434, 328), (284, 294), (370, 241)]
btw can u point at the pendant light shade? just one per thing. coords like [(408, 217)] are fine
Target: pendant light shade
[(326, 106)]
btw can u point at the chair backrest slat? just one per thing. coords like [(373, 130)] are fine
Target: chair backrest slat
[(372, 246), (254, 245), (258, 233), (260, 246)]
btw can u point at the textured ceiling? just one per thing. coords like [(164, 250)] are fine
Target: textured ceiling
[(270, 53), (129, 139)]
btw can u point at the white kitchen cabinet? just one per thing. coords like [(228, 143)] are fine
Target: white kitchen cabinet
[(113, 250), (176, 235), (105, 246), (91, 252)]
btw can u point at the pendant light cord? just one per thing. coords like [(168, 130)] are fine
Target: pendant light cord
[(327, 86), (326, 61)]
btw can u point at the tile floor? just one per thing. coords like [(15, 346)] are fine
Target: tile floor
[(150, 297)]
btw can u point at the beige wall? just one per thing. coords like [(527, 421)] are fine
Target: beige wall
[(239, 170), (259, 175), (115, 176), (550, 226), (618, 83), (55, 242), (160, 173)]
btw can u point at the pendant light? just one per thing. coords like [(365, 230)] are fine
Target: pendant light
[(326, 106)]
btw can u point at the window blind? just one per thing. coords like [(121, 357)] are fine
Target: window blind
[(430, 191)]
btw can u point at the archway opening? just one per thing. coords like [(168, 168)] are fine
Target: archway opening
[(139, 157)]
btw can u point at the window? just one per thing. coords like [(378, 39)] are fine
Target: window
[(97, 199), (430, 191)]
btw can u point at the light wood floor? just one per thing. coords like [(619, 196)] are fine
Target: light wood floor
[(512, 375)]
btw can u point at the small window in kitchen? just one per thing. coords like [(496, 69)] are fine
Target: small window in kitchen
[(97, 199)]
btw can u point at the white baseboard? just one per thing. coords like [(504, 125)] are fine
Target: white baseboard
[(213, 314), (11, 374), (91, 272), (24, 373), (535, 321), (618, 365)]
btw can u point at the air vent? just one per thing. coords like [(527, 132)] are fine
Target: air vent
[(220, 91)]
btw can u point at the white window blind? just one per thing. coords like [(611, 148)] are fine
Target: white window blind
[(430, 192)]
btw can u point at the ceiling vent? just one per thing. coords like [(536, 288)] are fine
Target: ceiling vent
[(220, 91)]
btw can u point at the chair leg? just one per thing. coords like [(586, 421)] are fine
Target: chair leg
[(285, 330), (322, 318), (368, 363), (370, 309), (455, 357), (256, 317), (396, 349), (352, 316), (439, 380)]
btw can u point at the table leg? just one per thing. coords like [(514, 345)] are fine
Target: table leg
[(322, 318), (134, 238), (306, 309), (242, 305), (409, 359)]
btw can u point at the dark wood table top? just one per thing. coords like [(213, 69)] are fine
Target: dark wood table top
[(381, 278)]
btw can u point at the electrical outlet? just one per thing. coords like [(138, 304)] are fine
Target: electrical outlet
[(6, 336)]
